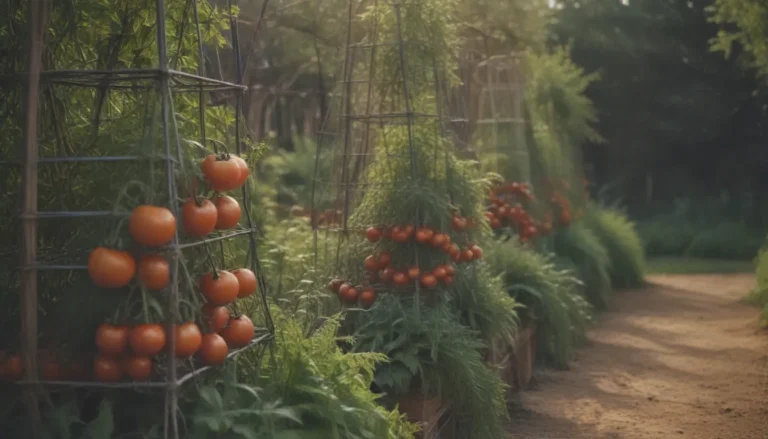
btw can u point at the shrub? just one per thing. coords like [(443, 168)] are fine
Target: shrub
[(759, 295), (625, 250), (552, 296), (666, 235), (726, 240), (577, 246)]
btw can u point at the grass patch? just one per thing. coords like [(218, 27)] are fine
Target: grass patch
[(683, 265)]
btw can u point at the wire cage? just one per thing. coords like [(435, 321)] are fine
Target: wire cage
[(150, 127), (397, 105)]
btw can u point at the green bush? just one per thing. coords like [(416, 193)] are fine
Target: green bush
[(759, 296), (666, 235), (551, 296), (625, 250), (576, 246), (726, 240)]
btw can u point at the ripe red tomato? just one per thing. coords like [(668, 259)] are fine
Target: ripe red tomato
[(244, 170), (107, 369), (424, 235), (147, 339), (334, 285), (188, 339), (220, 288), (428, 281), (348, 293), (413, 273), (439, 239), (399, 235), (440, 272), (467, 255), (495, 223), (112, 340), (213, 350), (387, 274), (247, 280), (458, 223), (11, 368), (367, 297), (152, 226), (400, 278), (217, 317), (137, 367), (385, 258), (228, 212), (408, 230), (371, 264), (477, 252), (199, 219), (373, 234), (450, 269), (239, 333), (110, 268), (154, 272), (448, 280), (223, 175)]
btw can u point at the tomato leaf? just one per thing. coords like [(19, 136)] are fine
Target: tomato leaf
[(103, 425)]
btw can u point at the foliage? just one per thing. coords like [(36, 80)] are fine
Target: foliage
[(759, 295), (430, 350), (681, 233), (625, 250), (578, 245), (552, 297), (743, 24)]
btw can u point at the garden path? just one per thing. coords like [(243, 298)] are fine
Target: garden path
[(680, 358)]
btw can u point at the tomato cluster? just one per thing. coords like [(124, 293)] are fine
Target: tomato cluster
[(502, 213), (563, 208), (125, 351)]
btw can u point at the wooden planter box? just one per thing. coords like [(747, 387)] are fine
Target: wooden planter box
[(514, 362), (432, 413)]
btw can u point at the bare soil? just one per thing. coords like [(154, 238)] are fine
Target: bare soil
[(681, 358)]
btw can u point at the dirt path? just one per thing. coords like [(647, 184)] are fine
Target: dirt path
[(682, 358)]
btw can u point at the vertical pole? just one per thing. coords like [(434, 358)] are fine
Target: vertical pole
[(28, 286), (171, 422)]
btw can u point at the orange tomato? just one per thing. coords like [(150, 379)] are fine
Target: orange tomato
[(239, 333), (188, 339), (107, 369), (147, 339), (222, 174), (152, 226), (424, 235), (112, 340), (371, 264), (413, 273), (217, 317), (247, 280), (400, 278), (228, 212), (385, 258), (213, 350), (428, 281), (154, 272), (220, 288), (373, 234), (137, 367), (367, 297), (110, 268), (199, 219)]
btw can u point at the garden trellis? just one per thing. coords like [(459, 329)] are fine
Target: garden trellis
[(157, 160)]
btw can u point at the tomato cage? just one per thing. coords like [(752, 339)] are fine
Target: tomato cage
[(388, 178), (154, 113)]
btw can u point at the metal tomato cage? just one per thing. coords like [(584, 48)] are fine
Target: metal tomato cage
[(166, 81)]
